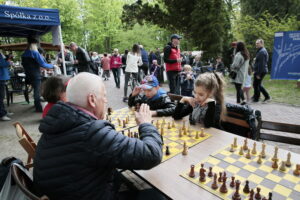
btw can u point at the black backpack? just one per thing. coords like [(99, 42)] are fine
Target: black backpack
[(5, 167)]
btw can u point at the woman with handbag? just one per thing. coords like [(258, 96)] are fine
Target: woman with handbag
[(239, 69)]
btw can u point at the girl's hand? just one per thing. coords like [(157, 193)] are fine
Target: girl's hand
[(189, 100), (207, 101)]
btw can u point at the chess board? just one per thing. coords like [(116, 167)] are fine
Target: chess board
[(283, 185), (122, 114), (174, 148)]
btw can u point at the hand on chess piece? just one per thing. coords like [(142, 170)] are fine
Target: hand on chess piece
[(136, 91), (144, 115)]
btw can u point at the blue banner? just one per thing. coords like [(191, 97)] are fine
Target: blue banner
[(286, 56)]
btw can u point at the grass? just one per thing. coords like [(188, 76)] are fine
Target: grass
[(281, 91)]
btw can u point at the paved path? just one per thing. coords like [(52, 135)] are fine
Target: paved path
[(25, 114)]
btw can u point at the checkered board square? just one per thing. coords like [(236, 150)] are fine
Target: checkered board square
[(279, 191), (174, 149), (122, 114), (264, 170)]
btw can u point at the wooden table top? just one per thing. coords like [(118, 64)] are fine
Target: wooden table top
[(166, 176)]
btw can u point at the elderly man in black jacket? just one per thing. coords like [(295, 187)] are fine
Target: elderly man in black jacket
[(83, 61), (150, 93), (260, 70), (78, 152)]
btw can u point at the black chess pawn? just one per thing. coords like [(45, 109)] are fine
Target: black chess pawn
[(220, 177), (237, 195), (270, 196), (232, 183), (210, 174), (251, 197), (246, 188), (202, 173), (257, 195), (167, 151), (223, 188), (215, 184)]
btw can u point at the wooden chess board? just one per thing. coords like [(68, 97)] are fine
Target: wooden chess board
[(283, 185), (120, 115)]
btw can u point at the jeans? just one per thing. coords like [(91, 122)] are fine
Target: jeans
[(258, 87), (3, 112), (239, 92), (116, 73), (127, 76), (36, 85), (174, 82)]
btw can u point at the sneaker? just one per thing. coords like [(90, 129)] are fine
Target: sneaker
[(9, 114), (266, 100), (5, 118)]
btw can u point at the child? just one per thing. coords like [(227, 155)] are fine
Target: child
[(247, 84), (187, 81), (207, 107), (54, 90), (105, 63), (150, 93)]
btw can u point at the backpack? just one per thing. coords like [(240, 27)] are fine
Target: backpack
[(5, 167)]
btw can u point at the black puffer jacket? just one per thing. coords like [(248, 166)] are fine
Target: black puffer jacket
[(162, 105), (77, 155)]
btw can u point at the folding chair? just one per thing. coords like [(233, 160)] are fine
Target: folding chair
[(24, 182), (26, 142)]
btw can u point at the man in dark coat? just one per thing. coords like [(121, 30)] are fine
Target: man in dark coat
[(79, 152), (83, 60), (260, 70)]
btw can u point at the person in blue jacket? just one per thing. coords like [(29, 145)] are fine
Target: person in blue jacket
[(4, 76), (32, 60)]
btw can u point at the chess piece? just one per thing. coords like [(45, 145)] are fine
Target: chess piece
[(275, 165), (297, 170), (288, 160), (248, 155), (224, 175), (185, 149), (263, 151), (223, 188), (162, 139), (282, 166), (164, 120), (215, 184), (257, 195), (119, 122), (167, 151), (245, 146), (220, 177), (184, 131), (202, 134), (251, 195), (180, 133), (254, 149), (210, 174), (270, 196), (162, 130), (109, 111), (197, 135), (246, 187), (124, 124), (183, 124), (237, 195), (169, 125), (173, 124), (231, 149), (275, 157), (192, 172), (264, 198), (202, 173), (232, 183), (109, 119), (127, 119), (259, 161), (123, 132), (241, 151), (157, 124), (235, 143)]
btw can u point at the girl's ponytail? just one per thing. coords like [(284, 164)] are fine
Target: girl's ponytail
[(219, 94)]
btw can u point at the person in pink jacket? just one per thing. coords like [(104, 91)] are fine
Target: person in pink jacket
[(115, 65), (105, 63)]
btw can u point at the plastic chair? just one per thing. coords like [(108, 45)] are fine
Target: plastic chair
[(16, 85)]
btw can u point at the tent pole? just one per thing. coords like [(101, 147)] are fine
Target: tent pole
[(62, 50)]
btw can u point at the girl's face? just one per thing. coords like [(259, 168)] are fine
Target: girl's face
[(201, 94)]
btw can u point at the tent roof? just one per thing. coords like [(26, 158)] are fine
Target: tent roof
[(22, 46), (24, 22)]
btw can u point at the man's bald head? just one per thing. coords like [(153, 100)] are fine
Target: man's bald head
[(81, 86)]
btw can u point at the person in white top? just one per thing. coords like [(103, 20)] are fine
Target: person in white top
[(134, 60), (247, 84)]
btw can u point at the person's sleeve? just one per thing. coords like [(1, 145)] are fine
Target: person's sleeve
[(71, 61), (111, 149), (260, 63), (167, 52), (237, 63), (209, 119), (169, 108), (132, 101), (41, 61), (182, 110), (3, 62)]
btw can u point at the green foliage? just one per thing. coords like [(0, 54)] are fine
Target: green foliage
[(204, 23)]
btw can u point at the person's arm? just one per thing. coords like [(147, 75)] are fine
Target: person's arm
[(3, 62), (209, 119), (133, 100), (260, 63), (237, 62), (182, 110), (37, 56), (71, 61), (167, 52), (169, 108)]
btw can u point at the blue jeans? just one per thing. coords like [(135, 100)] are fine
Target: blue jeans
[(3, 112), (116, 73), (174, 82)]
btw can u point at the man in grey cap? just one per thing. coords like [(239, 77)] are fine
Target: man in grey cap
[(173, 63)]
